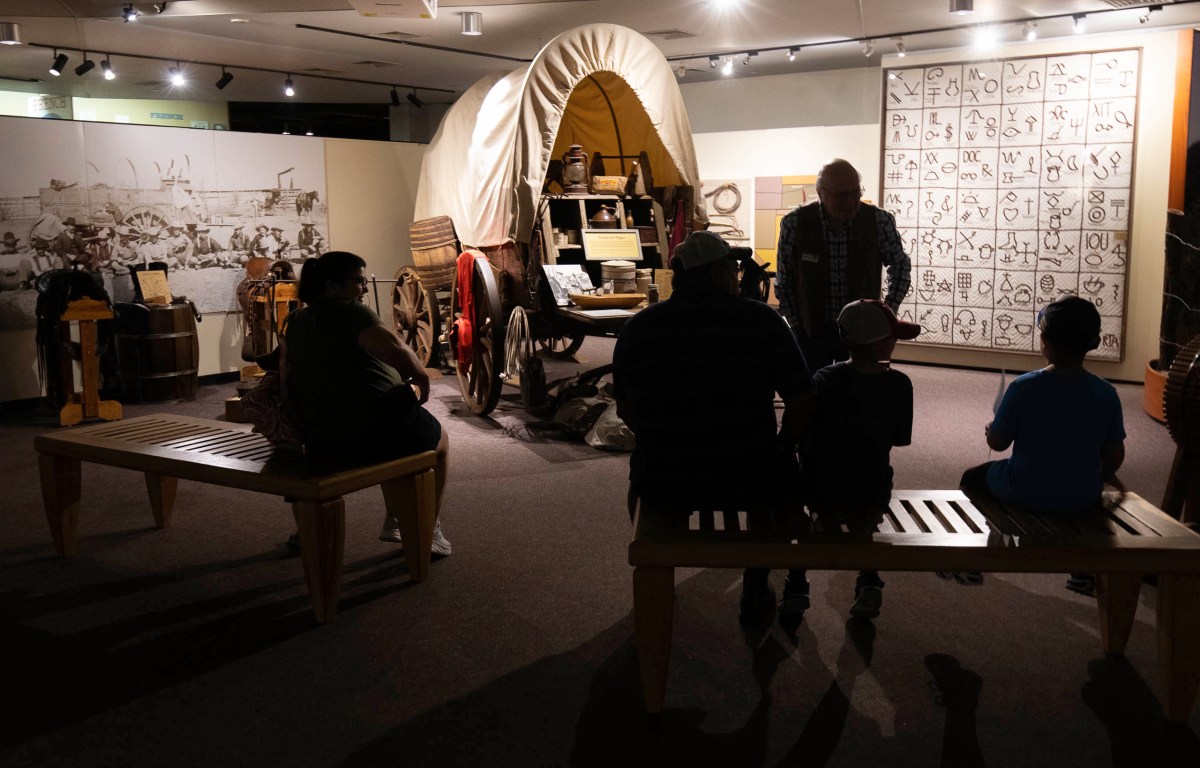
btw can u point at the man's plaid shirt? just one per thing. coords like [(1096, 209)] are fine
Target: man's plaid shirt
[(891, 253)]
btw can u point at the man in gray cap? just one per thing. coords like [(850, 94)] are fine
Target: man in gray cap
[(695, 378)]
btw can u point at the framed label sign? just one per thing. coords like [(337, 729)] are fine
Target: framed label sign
[(610, 244)]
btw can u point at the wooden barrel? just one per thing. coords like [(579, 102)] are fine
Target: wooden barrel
[(158, 352)]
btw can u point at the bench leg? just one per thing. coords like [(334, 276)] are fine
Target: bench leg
[(162, 497), (1117, 598), (653, 615), (412, 500), (60, 496), (322, 530), (1178, 643)]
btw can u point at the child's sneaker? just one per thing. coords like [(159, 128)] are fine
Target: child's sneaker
[(868, 596), (1083, 583), (795, 601)]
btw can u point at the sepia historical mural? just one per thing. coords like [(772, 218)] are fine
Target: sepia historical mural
[(104, 197)]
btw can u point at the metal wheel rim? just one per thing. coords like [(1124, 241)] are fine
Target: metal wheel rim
[(480, 382)]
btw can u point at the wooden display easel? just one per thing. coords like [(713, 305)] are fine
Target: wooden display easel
[(86, 404)]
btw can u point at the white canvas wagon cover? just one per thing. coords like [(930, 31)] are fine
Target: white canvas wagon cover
[(602, 86)]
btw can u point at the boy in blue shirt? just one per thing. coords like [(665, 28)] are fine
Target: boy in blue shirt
[(1064, 424)]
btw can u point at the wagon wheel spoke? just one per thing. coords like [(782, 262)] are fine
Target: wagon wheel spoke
[(561, 347), (413, 315)]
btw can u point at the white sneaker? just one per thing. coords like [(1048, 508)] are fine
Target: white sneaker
[(441, 545), (391, 532)]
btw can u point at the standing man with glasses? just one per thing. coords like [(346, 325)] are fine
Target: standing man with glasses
[(833, 252)]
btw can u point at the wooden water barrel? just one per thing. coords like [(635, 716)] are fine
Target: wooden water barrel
[(158, 352)]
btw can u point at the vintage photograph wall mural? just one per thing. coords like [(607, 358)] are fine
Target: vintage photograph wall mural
[(106, 197)]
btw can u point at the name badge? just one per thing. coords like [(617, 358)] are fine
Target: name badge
[(810, 257)]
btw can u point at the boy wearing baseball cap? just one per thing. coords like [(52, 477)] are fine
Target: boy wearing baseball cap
[(864, 408)]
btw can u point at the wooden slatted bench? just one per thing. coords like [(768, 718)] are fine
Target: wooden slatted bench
[(1120, 540), (167, 448)]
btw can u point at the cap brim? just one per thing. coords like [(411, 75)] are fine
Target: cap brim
[(905, 331)]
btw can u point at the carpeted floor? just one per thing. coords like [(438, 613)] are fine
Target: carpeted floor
[(195, 645)]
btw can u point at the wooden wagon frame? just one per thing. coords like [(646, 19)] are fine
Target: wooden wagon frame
[(487, 183)]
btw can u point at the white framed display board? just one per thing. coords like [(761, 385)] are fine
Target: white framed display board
[(1011, 184)]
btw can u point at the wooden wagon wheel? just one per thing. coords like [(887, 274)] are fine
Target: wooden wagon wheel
[(479, 377), (414, 311), (143, 218), (1181, 404), (561, 347)]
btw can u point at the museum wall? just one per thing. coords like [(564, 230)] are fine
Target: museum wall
[(368, 190), (800, 148)]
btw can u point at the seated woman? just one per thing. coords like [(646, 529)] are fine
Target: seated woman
[(352, 380)]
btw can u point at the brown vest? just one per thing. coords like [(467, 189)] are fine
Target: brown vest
[(864, 278)]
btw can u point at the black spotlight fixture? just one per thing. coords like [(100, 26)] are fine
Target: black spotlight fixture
[(130, 13), (412, 98), (226, 79), (395, 97), (107, 68), (60, 63), (160, 7), (87, 66), (289, 89)]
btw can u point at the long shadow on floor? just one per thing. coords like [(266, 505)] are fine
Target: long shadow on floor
[(65, 678)]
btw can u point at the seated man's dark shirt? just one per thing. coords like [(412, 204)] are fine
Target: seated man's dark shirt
[(701, 372)]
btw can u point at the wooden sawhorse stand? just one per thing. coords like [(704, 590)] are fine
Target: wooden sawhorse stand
[(86, 404)]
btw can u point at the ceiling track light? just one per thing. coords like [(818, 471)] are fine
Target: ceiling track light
[(1146, 16), (472, 23), (107, 69), (712, 62), (1078, 24), (962, 6), (160, 7), (746, 58), (727, 67), (395, 97), (309, 131), (792, 53), (130, 14), (288, 87), (900, 51), (175, 74), (681, 72), (1029, 31), (868, 47), (87, 65), (226, 79), (60, 63), (10, 33), (412, 99)]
